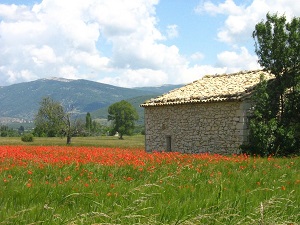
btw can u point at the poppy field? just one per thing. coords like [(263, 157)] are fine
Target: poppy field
[(99, 185)]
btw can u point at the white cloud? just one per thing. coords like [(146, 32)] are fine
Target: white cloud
[(227, 7), (15, 13), (119, 41), (137, 78), (94, 61), (197, 56), (172, 31), (68, 72), (190, 74), (70, 35), (43, 55), (14, 76), (241, 19), (236, 61)]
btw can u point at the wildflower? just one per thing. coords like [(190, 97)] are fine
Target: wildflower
[(243, 167), (68, 178), (29, 172), (283, 188), (198, 170)]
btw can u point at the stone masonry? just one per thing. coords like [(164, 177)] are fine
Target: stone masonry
[(217, 127), (207, 115)]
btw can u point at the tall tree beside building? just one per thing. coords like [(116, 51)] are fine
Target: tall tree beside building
[(277, 45)]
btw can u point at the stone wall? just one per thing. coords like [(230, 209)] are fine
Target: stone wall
[(192, 128)]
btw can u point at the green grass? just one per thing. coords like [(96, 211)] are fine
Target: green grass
[(193, 191), (136, 141)]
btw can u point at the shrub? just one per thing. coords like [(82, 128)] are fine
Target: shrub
[(27, 138)]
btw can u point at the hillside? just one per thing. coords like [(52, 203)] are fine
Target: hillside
[(20, 102)]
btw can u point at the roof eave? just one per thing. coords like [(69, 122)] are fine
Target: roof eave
[(170, 103)]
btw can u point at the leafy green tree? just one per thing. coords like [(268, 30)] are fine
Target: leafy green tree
[(123, 116), (4, 131), (275, 125), (95, 126), (262, 123), (88, 123), (49, 121), (53, 121), (21, 130)]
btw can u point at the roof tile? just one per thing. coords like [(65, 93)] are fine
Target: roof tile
[(212, 88)]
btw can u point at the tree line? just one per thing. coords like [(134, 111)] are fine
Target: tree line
[(6, 131), (53, 120)]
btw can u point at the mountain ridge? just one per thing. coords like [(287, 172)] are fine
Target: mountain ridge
[(22, 100)]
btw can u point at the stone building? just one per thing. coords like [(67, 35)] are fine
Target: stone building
[(208, 115)]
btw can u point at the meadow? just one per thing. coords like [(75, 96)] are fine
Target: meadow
[(136, 141), (122, 184)]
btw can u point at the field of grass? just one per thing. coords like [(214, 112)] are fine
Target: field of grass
[(136, 141), (101, 185)]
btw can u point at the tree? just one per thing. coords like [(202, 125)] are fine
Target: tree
[(262, 123), (276, 118), (4, 131), (123, 115), (88, 123), (21, 130), (72, 128), (52, 120), (49, 121)]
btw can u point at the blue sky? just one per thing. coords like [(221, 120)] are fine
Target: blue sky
[(130, 43), (196, 32)]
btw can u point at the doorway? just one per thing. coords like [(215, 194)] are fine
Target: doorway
[(168, 143)]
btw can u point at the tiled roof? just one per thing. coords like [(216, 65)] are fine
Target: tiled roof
[(212, 88)]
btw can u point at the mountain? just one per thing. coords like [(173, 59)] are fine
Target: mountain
[(21, 101)]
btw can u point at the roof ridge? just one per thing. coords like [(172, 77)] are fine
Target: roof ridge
[(229, 74)]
